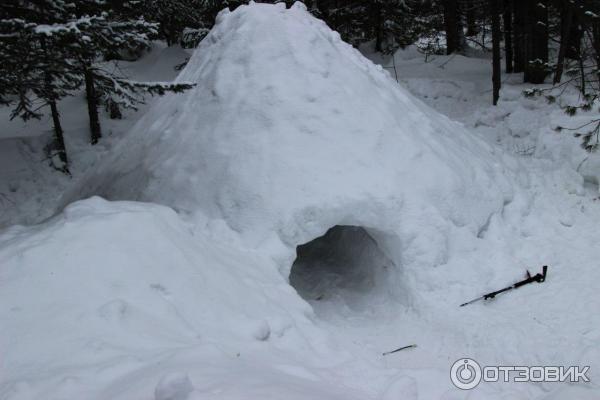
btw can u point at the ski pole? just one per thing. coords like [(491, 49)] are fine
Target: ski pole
[(539, 277)]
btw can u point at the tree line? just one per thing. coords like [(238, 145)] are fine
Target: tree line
[(52, 48)]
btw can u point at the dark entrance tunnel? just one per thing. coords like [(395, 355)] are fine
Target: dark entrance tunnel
[(344, 266)]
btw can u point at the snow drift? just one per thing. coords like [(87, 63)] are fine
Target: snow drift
[(290, 131), (110, 300)]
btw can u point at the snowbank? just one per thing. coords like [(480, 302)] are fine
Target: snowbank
[(107, 299), (291, 131)]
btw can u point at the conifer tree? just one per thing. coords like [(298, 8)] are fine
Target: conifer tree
[(453, 26), (107, 34), (174, 16), (392, 25), (35, 37), (104, 35)]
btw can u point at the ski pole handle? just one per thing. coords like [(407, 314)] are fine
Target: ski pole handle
[(544, 270)]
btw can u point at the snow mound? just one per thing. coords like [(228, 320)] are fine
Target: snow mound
[(291, 131), (116, 300)]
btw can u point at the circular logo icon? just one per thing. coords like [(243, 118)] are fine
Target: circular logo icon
[(465, 373)]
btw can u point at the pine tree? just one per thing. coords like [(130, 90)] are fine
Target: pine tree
[(519, 26), (453, 26), (107, 34), (390, 24), (349, 20), (50, 47), (536, 41), (393, 25), (508, 35), (578, 65), (36, 74), (174, 16)]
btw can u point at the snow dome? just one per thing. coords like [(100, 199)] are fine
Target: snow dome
[(290, 132)]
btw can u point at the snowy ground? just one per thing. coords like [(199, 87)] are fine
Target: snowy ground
[(459, 87), (128, 300)]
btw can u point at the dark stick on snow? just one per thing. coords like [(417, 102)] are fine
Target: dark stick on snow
[(539, 278), (397, 350)]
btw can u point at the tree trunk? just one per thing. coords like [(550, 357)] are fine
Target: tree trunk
[(519, 35), (379, 41), (496, 38), (58, 144), (57, 147), (508, 42), (378, 24), (92, 103), (565, 31), (536, 42), (543, 33), (451, 25), (573, 50), (596, 41), (582, 76), (471, 18)]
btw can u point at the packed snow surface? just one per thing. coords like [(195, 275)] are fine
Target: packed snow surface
[(119, 300), (292, 144)]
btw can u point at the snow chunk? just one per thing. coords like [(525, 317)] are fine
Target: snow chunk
[(262, 331), (173, 386), (131, 291)]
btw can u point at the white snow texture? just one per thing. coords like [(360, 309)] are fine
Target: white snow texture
[(177, 286)]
